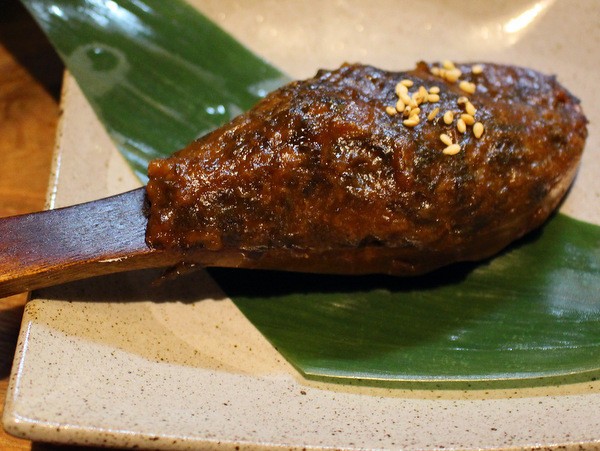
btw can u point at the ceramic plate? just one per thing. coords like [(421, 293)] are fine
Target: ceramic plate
[(119, 361)]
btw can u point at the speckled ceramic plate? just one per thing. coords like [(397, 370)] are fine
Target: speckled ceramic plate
[(118, 361)]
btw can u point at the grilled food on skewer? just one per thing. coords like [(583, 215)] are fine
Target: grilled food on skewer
[(360, 170)]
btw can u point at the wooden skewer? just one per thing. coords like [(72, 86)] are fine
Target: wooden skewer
[(56, 246)]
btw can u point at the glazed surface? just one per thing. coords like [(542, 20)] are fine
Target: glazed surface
[(318, 176)]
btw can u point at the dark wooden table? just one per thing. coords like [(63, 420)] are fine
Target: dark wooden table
[(30, 83)]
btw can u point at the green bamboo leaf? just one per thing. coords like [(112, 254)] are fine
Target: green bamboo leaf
[(532, 311), (159, 74)]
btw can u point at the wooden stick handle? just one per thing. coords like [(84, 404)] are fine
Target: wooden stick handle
[(56, 246)]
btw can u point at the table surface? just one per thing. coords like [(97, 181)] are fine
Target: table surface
[(30, 83)]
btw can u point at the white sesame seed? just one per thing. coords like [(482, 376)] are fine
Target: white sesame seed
[(461, 126), (400, 88), (431, 116), (411, 121), (453, 75), (446, 139), (470, 109), (416, 98), (390, 110), (435, 71), (406, 82), (477, 69), (467, 86), (405, 98), (452, 149), (478, 129), (468, 119), (400, 105), (433, 98), (434, 90), (415, 111), (448, 65), (461, 100), (448, 117)]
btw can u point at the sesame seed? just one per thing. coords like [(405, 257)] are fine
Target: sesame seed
[(452, 149), (431, 116), (448, 65), (407, 103), (405, 98), (446, 139), (478, 129), (411, 121), (468, 119), (448, 117), (453, 75), (400, 88), (470, 109), (390, 110), (467, 86), (416, 98)]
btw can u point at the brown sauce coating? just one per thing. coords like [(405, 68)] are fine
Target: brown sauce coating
[(319, 177)]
